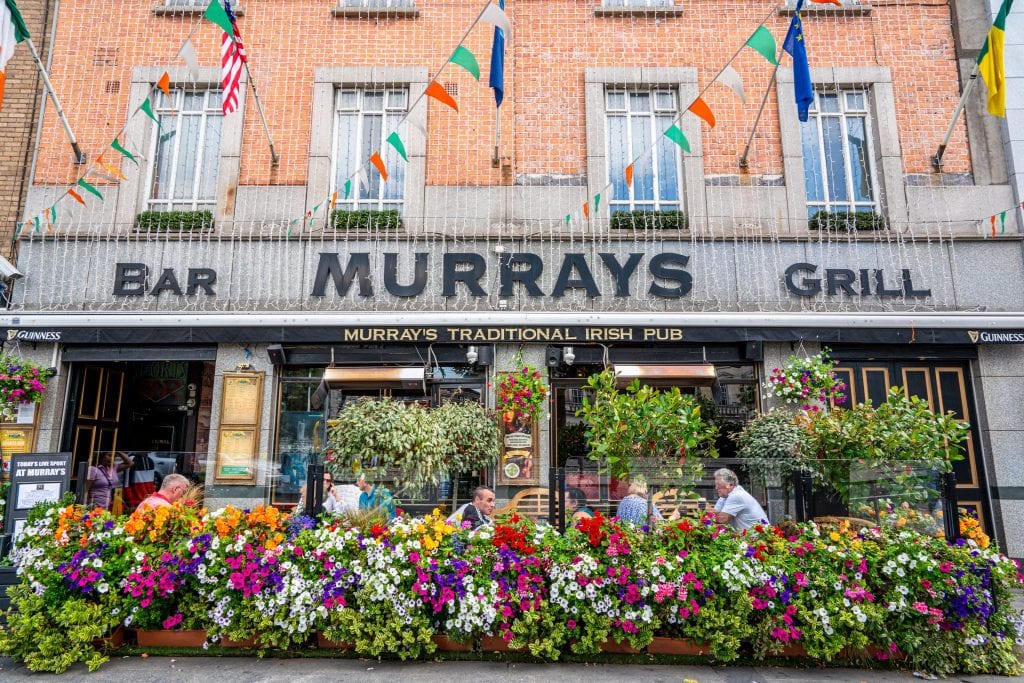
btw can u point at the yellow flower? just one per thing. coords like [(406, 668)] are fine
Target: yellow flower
[(834, 536)]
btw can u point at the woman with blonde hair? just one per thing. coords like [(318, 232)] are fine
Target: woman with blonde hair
[(634, 507)]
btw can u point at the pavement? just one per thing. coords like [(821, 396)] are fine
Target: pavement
[(137, 669)]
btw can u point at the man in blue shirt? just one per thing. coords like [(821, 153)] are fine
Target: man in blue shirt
[(735, 506)]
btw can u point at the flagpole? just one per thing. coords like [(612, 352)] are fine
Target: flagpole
[(757, 121), (937, 159), (79, 155), (496, 161), (274, 159)]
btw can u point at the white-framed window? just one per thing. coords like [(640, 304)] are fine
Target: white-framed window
[(635, 121), (838, 152), (185, 151), (364, 118)]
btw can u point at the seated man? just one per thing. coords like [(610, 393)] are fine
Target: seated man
[(735, 506), (478, 513), (375, 496), (171, 490)]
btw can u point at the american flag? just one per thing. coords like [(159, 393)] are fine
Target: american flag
[(232, 57)]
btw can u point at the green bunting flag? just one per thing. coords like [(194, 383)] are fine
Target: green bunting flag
[(676, 136), (1002, 221), (53, 214), (348, 188), (89, 188), (466, 60), (597, 201), (396, 142), (215, 13), (568, 218), (168, 135), (763, 41), (147, 108), (39, 227), (18, 226), (128, 155)]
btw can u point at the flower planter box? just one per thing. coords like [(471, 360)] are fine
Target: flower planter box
[(446, 644), (676, 646), (497, 644), (793, 650), (615, 647), (112, 641), (196, 638), (325, 643), (246, 644)]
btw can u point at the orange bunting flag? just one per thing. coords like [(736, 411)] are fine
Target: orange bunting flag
[(701, 109), (165, 84), (993, 226), (629, 175), (77, 197), (437, 91), (334, 199), (112, 170), (586, 209), (379, 164)]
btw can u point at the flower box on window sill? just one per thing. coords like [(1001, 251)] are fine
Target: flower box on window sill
[(649, 220), (850, 8), (174, 221), (172, 638), (171, 7), (861, 221), (638, 10), (366, 220), (369, 9)]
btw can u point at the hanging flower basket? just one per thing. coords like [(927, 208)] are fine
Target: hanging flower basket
[(21, 381), (807, 381), (521, 392)]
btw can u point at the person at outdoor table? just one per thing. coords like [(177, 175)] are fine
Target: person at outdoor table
[(577, 504), (375, 496), (171, 490), (735, 506), (633, 508), (103, 479), (334, 498), (478, 512)]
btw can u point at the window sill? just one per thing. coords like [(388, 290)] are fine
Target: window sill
[(374, 12), (169, 10), (638, 11), (851, 10)]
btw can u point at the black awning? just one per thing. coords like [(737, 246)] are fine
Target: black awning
[(108, 354)]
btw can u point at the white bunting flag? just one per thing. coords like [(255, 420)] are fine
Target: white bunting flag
[(188, 54), (496, 16), (364, 179), (732, 80)]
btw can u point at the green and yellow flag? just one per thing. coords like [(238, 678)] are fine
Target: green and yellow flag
[(990, 62)]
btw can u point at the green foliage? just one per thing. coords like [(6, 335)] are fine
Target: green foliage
[(366, 220), (643, 422), (773, 445), (173, 221), (50, 633), (474, 439), (649, 220), (841, 220)]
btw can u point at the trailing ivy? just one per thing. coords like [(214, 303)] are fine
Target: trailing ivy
[(866, 221), (649, 220), (173, 221), (366, 220)]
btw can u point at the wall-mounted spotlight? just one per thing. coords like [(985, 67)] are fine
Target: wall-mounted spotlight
[(568, 355), (471, 355)]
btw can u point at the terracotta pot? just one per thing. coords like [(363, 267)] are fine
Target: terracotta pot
[(246, 644), (676, 646), (496, 644), (325, 643), (111, 641), (446, 644), (611, 645), (196, 638)]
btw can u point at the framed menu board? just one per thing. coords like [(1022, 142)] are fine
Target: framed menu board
[(520, 455), (241, 404)]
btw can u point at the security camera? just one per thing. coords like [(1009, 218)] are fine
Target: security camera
[(568, 356), (8, 271), (471, 355)]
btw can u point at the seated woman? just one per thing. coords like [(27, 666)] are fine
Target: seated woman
[(576, 505), (633, 508)]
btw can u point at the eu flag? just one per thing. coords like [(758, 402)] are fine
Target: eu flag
[(497, 77), (796, 46)]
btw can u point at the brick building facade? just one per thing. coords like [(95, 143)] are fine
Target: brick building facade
[(499, 257)]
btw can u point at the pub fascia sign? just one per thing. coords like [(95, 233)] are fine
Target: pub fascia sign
[(669, 277)]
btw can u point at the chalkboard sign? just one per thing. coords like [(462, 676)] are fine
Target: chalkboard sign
[(35, 478)]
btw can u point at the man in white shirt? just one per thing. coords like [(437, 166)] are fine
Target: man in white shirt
[(735, 506)]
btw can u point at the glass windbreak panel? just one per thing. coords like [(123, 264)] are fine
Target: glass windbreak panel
[(905, 495)]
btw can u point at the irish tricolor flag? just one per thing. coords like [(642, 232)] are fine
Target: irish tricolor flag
[(990, 62), (12, 32)]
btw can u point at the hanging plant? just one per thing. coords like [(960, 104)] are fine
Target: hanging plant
[(474, 441), (521, 393), (21, 381), (807, 381)]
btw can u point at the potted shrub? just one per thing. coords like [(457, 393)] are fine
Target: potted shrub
[(174, 221), (366, 219), (649, 220), (866, 221)]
